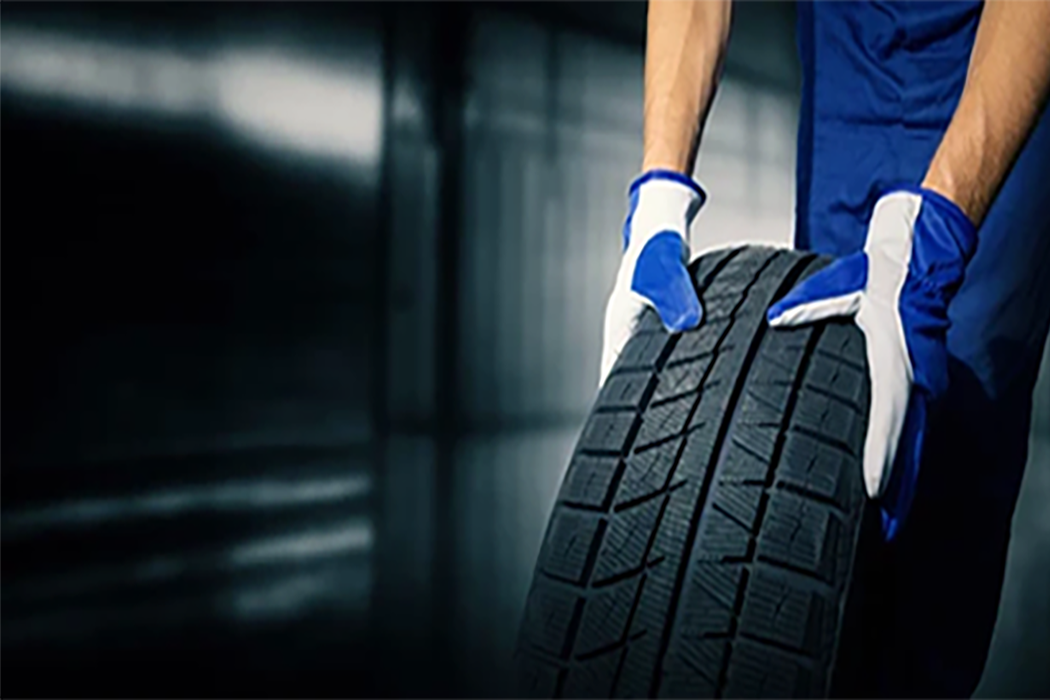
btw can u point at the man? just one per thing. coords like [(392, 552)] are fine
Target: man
[(924, 168)]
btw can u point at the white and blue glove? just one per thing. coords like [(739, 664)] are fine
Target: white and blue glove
[(897, 289), (656, 251)]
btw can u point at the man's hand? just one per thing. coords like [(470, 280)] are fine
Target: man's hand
[(919, 242), (653, 270), (897, 289)]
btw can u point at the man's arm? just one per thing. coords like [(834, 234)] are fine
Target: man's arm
[(685, 45), (1006, 86), (683, 58)]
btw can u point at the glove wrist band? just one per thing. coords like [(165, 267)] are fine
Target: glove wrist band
[(661, 174), (957, 223)]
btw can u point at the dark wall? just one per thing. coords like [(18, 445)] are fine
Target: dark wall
[(189, 329)]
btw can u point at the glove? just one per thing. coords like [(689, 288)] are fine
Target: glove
[(653, 271), (897, 289)]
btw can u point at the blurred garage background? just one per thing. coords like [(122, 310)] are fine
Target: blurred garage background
[(303, 318)]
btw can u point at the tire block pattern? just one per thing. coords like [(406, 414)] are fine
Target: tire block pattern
[(703, 539)]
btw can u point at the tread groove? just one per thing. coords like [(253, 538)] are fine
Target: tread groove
[(763, 504), (645, 555), (694, 524), (627, 575), (659, 442), (688, 360), (614, 484), (749, 450), (574, 627), (810, 495), (843, 360), (661, 360), (826, 440), (733, 518), (592, 553), (634, 502), (696, 668), (762, 400), (678, 397), (834, 397), (674, 397), (801, 571)]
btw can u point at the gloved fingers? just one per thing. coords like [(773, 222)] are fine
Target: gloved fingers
[(622, 314), (890, 375), (834, 291), (660, 275)]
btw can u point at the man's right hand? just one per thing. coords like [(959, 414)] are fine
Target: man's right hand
[(653, 271)]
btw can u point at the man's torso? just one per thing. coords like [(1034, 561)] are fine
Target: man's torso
[(880, 84)]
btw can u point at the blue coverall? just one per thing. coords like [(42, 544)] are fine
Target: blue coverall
[(880, 84)]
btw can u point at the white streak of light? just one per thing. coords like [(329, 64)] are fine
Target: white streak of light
[(284, 101), (101, 73), (277, 99), (352, 538), (230, 496)]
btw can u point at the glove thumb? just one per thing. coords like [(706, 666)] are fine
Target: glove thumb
[(835, 291)]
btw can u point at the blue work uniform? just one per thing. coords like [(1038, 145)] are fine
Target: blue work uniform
[(880, 84)]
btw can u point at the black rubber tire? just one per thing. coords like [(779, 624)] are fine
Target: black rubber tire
[(703, 541)]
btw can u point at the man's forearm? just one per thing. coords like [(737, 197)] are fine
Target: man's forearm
[(685, 45), (1006, 86)]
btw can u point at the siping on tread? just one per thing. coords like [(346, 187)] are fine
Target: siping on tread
[(702, 541)]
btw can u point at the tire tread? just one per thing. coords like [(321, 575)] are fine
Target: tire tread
[(703, 538)]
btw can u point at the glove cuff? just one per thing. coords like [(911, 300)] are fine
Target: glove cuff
[(661, 200), (956, 221), (944, 215), (664, 175)]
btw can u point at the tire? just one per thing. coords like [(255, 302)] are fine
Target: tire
[(702, 543)]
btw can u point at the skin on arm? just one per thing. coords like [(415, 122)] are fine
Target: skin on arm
[(1007, 84), (685, 47)]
